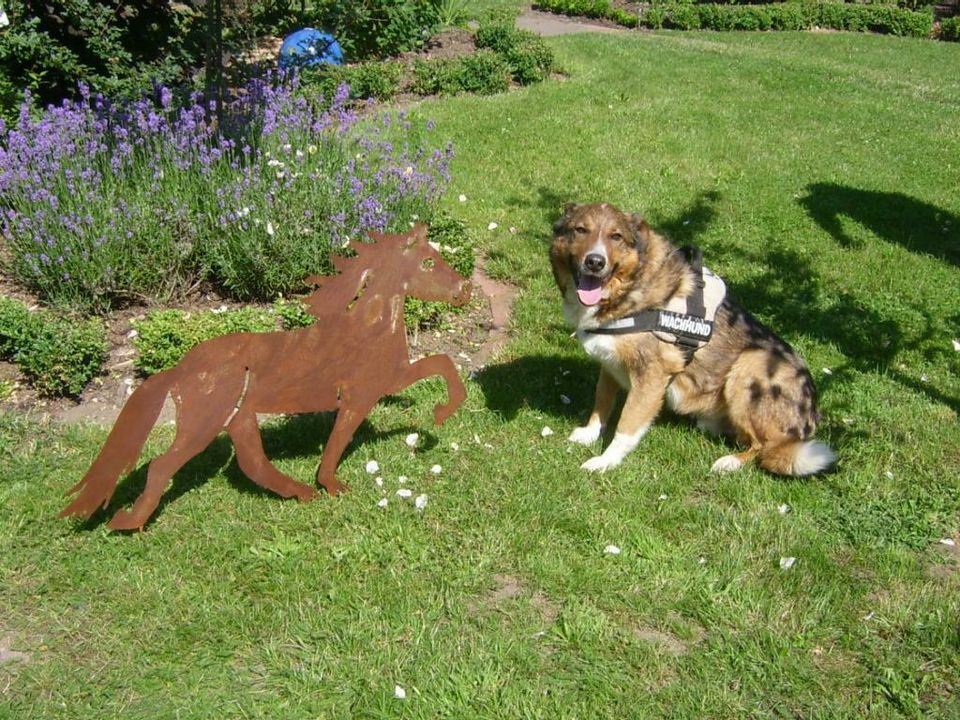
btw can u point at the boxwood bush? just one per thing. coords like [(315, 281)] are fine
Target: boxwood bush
[(58, 355)]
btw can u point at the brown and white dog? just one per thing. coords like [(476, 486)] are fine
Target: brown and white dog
[(743, 381)]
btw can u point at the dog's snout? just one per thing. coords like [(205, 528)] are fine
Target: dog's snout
[(594, 262)]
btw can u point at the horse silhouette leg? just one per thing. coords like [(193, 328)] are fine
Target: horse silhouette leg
[(245, 433), (443, 366), (188, 443), (348, 420)]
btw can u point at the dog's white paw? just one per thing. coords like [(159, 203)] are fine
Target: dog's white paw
[(586, 435), (600, 463), (727, 464)]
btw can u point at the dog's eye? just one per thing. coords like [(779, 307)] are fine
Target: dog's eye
[(580, 230), (616, 237)]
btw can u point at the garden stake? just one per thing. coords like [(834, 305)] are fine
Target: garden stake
[(355, 354)]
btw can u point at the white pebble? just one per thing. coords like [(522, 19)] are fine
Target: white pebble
[(949, 542), (462, 198), (382, 503), (492, 226), (546, 432), (402, 479), (404, 492), (787, 562), (565, 400), (373, 467), (411, 440), (784, 509), (611, 550), (378, 481), (956, 345), (827, 371), (454, 446), (420, 502), (399, 692), (436, 469)]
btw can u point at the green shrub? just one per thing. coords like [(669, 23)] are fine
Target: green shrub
[(484, 73), (379, 28), (436, 76), (790, 16), (58, 355), (529, 58), (950, 29), (165, 336), (378, 80), (118, 48), (16, 323)]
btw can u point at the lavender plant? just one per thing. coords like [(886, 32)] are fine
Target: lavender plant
[(102, 202)]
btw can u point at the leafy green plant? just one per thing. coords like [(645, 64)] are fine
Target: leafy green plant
[(950, 29), (292, 313), (165, 336), (16, 323), (374, 79), (483, 73), (379, 28), (529, 58), (58, 355)]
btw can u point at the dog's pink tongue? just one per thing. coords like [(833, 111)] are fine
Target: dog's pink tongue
[(589, 290)]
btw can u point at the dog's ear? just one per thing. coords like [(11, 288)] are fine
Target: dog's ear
[(641, 231), (561, 224)]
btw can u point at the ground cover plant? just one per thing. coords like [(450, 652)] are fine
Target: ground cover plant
[(507, 583)]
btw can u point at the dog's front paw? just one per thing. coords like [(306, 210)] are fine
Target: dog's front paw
[(586, 435), (600, 463)]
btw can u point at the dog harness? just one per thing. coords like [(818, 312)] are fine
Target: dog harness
[(684, 321)]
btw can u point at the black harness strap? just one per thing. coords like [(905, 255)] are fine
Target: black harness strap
[(690, 329)]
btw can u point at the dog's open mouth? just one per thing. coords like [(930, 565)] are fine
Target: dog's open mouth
[(589, 289)]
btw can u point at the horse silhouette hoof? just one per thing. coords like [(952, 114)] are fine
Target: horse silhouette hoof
[(441, 413), (307, 494), (125, 520), (334, 488)]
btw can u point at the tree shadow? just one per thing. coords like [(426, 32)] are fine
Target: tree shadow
[(789, 295), (895, 217)]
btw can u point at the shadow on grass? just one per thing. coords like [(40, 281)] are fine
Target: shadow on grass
[(789, 296), (295, 436), (895, 217)]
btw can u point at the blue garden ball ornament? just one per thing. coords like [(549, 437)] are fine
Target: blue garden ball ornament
[(309, 47)]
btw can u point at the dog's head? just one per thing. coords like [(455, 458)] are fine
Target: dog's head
[(595, 249)]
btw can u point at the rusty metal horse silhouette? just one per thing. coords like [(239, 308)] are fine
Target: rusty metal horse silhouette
[(355, 354)]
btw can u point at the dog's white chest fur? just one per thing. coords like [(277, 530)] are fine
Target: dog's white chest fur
[(602, 348)]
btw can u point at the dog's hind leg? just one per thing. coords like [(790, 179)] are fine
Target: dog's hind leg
[(245, 434)]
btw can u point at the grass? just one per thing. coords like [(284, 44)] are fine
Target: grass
[(819, 175)]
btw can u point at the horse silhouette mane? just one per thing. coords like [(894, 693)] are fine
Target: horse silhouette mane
[(355, 354)]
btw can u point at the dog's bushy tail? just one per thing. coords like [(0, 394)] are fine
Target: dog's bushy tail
[(797, 457), (122, 447)]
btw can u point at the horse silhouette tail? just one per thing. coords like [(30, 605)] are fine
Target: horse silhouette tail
[(122, 447)]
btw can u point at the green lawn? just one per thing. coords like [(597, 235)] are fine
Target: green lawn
[(819, 173)]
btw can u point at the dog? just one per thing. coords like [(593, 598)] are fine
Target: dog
[(663, 328)]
